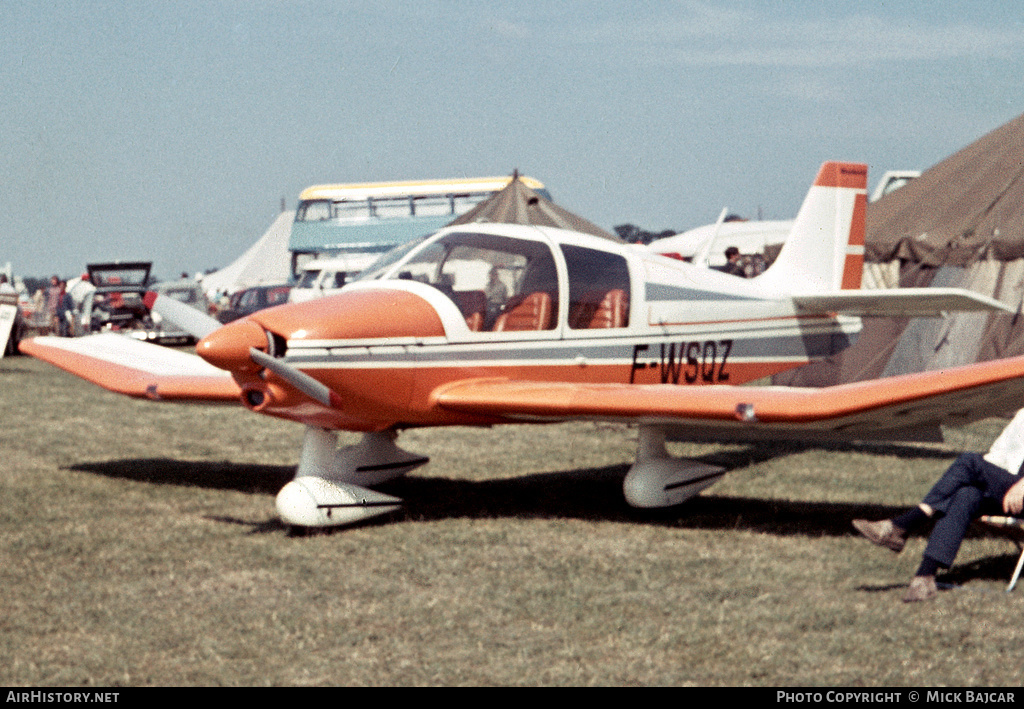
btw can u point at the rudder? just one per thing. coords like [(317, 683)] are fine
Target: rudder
[(825, 248)]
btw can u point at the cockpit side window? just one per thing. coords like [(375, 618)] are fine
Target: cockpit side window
[(598, 288)]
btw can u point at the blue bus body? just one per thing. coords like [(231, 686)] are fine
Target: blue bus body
[(375, 217)]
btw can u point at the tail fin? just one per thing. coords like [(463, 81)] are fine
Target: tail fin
[(825, 249)]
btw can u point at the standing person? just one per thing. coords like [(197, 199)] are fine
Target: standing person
[(39, 314), (973, 485), (65, 311), (80, 290), (53, 301)]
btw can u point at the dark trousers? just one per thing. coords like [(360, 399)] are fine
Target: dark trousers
[(970, 488)]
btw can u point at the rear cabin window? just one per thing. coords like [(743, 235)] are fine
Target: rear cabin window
[(598, 288)]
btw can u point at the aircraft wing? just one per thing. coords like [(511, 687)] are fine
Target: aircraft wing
[(139, 369), (900, 302), (907, 407)]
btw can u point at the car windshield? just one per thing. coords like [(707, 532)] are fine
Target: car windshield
[(308, 279)]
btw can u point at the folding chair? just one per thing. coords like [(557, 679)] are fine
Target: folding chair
[(1013, 529)]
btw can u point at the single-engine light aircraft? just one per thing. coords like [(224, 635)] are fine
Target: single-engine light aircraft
[(482, 324)]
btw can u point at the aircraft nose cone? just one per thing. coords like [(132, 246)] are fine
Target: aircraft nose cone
[(228, 347)]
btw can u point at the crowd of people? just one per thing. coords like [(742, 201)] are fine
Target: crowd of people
[(53, 308)]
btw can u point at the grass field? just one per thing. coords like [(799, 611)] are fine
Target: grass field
[(139, 546)]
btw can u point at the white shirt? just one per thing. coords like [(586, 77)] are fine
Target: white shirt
[(1008, 450), (78, 290)]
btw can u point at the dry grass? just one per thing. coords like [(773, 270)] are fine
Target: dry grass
[(138, 546)]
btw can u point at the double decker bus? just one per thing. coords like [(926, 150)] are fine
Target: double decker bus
[(373, 217)]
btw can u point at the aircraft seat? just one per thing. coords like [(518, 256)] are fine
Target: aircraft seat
[(600, 309), (473, 305), (530, 312)]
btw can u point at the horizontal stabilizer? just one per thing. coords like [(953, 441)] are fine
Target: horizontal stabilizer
[(900, 302), (140, 369)]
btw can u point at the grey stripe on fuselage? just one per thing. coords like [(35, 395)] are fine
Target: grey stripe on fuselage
[(793, 346), (661, 292)]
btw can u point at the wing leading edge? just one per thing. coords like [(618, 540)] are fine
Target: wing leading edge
[(138, 369), (895, 407)]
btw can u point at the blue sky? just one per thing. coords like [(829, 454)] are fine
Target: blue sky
[(171, 131)]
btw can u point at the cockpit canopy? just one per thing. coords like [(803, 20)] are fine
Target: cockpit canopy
[(503, 283)]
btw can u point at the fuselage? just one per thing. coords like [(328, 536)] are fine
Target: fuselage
[(523, 303)]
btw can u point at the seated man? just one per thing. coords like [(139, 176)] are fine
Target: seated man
[(972, 486), (496, 294)]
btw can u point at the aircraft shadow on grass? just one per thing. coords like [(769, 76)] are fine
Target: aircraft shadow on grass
[(588, 493)]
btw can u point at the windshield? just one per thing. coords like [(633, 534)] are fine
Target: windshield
[(378, 268), (499, 283)]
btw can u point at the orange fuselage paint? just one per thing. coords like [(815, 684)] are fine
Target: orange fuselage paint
[(378, 394), (375, 398), (356, 315)]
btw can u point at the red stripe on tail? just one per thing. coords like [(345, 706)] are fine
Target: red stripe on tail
[(843, 174), (853, 266)]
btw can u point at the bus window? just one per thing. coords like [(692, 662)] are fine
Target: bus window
[(385, 208), (314, 211), (462, 203), (373, 217), (347, 211), (433, 206)]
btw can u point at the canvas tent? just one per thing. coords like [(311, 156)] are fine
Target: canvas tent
[(268, 261), (961, 223), (518, 204)]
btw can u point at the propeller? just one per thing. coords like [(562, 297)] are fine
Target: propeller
[(298, 379), (194, 322)]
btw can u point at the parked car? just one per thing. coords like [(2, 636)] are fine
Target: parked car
[(116, 302), (326, 276), (248, 301)]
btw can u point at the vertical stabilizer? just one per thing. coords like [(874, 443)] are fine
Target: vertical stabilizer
[(825, 250)]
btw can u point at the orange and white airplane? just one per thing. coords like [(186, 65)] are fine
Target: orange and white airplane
[(484, 324)]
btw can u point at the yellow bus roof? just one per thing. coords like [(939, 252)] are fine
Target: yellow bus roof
[(412, 188)]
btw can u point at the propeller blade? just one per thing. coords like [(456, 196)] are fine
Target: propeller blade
[(192, 321), (298, 379)]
